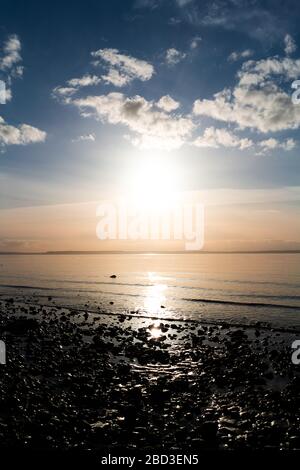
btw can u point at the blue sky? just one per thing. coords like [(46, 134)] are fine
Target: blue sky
[(95, 88)]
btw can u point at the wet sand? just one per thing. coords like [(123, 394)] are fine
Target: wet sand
[(77, 381)]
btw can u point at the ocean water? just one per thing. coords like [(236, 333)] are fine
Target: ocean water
[(236, 288)]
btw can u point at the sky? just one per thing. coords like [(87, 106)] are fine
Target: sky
[(104, 96)]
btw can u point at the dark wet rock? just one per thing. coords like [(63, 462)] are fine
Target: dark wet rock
[(81, 384), (294, 442), (130, 416), (159, 395), (269, 375), (21, 326), (208, 430)]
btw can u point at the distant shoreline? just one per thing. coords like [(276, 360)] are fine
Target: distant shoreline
[(150, 252)]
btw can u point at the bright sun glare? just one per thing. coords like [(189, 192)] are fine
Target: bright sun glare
[(154, 185)]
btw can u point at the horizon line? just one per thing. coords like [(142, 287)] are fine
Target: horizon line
[(99, 252)]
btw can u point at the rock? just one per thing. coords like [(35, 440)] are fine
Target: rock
[(20, 326), (209, 430), (295, 442)]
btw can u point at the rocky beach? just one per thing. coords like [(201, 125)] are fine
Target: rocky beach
[(77, 381)]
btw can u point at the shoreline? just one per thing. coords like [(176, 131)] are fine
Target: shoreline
[(153, 252), (253, 324)]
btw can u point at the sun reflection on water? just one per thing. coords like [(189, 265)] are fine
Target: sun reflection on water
[(155, 332), (155, 295)]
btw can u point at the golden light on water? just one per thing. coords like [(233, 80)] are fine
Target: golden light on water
[(155, 330), (155, 295)]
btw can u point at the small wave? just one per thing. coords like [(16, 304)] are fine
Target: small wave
[(127, 294), (247, 304)]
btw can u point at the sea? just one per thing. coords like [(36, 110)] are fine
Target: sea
[(234, 288)]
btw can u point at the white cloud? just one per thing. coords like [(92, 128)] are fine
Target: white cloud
[(11, 53), (152, 4), (289, 144), (85, 137), (272, 144), (116, 78), (10, 60), (252, 18), (22, 135), (10, 63), (167, 103), (257, 101), (289, 44), (235, 56), (174, 21), (17, 72), (63, 92), (173, 56), (7, 95), (215, 138), (122, 68), (73, 86), (195, 42), (183, 3), (150, 128), (269, 143), (285, 67), (86, 80)]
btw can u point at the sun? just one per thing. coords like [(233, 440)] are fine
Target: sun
[(154, 185)]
